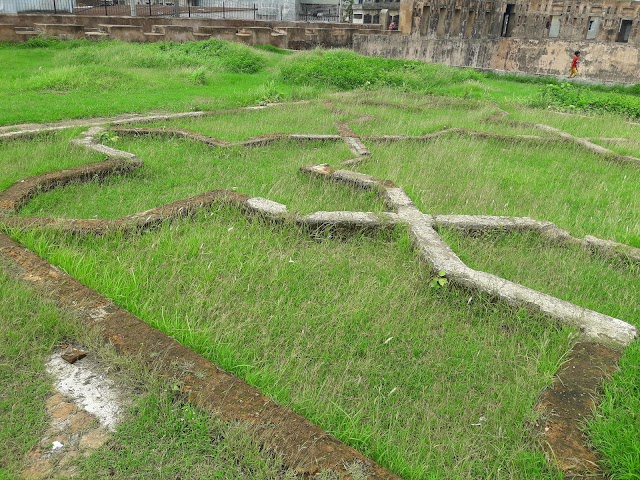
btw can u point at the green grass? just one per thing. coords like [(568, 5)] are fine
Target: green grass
[(161, 437), (543, 181), (570, 273), (168, 439), (584, 126), (614, 431), (82, 79), (432, 384), (313, 329), (29, 328), (305, 117), (608, 287), (176, 169), (22, 158), (576, 98)]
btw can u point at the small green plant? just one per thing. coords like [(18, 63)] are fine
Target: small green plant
[(268, 93), (199, 76), (107, 137), (439, 280)]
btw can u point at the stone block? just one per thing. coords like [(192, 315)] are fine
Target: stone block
[(222, 33), (96, 36), (64, 31), (154, 37), (261, 35), (126, 33), (175, 33), (279, 39), (8, 33)]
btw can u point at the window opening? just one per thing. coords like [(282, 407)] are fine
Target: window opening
[(507, 20), (625, 31), (554, 27), (594, 26)]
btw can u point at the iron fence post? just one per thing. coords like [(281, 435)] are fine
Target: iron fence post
[(189, 6), (254, 11), (223, 15), (55, 10)]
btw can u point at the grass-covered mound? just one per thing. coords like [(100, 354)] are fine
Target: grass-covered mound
[(346, 70)]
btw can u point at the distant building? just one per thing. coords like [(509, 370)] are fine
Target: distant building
[(608, 21), (26, 6), (532, 36), (376, 11)]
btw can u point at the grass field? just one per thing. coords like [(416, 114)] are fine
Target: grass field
[(430, 383)]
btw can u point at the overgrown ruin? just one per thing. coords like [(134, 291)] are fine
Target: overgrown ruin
[(302, 444)]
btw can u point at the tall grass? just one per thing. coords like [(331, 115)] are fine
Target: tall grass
[(176, 169), (546, 182), (29, 328), (572, 97), (22, 158), (346, 332), (346, 70), (159, 437), (48, 80), (609, 287), (433, 384)]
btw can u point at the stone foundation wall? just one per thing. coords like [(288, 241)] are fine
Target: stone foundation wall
[(601, 61), (292, 35)]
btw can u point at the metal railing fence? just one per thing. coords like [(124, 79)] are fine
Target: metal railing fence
[(218, 9), (318, 18), (234, 9)]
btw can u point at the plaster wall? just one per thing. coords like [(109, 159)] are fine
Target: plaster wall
[(528, 36), (611, 62)]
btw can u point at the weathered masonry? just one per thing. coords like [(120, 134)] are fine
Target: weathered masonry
[(534, 36), (291, 35)]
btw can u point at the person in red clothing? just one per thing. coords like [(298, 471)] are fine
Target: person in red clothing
[(574, 64)]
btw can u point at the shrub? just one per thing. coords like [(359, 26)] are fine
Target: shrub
[(272, 49), (572, 97), (199, 77), (347, 70), (52, 42), (234, 57), (91, 77)]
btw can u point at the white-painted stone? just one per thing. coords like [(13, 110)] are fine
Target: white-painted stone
[(355, 219), (87, 383), (396, 198), (267, 207), (360, 179)]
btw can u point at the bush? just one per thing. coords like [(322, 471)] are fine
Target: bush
[(234, 57), (199, 76), (52, 42), (572, 97), (273, 49), (91, 77), (347, 70)]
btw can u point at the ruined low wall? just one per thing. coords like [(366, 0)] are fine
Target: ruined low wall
[(292, 35), (608, 62)]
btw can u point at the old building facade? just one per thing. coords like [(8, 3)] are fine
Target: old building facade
[(382, 12), (531, 36), (607, 21)]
